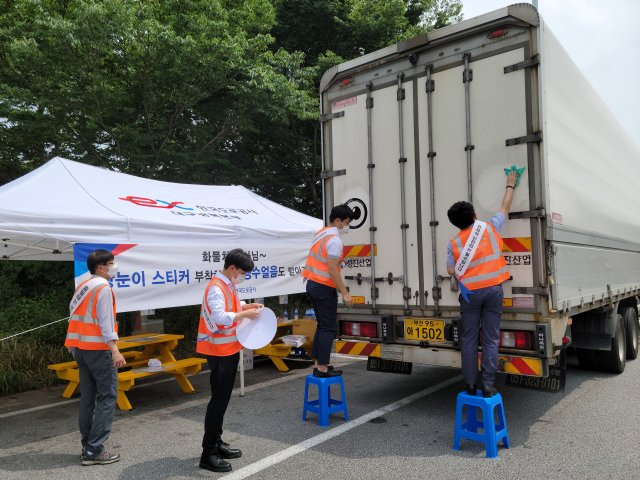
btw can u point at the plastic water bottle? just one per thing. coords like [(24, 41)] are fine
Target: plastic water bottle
[(295, 314), (286, 316), (313, 314)]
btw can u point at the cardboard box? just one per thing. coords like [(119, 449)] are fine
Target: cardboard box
[(304, 327)]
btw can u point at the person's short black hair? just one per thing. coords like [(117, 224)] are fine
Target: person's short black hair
[(239, 259), (98, 257), (461, 214), (342, 212)]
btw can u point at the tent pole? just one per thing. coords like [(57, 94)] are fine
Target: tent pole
[(242, 372)]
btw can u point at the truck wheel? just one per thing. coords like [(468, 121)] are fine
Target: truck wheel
[(614, 360), (587, 359), (630, 316)]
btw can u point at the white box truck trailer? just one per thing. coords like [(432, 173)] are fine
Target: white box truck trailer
[(415, 127)]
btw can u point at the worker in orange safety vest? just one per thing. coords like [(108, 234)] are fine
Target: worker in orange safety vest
[(474, 257), (322, 273), (92, 338), (220, 315)]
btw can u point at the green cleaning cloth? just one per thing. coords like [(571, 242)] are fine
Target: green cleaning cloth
[(507, 171)]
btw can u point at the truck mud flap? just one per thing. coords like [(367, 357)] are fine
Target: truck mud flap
[(554, 383)]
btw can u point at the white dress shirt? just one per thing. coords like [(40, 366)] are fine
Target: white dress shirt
[(105, 313), (215, 300)]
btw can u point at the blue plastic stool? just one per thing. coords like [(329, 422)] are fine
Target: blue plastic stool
[(492, 433), (325, 404)]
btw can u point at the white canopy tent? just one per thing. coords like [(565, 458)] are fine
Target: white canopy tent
[(64, 203)]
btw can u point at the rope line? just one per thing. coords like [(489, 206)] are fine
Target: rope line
[(27, 331)]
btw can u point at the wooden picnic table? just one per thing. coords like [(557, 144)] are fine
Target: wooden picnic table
[(152, 342), (275, 351)]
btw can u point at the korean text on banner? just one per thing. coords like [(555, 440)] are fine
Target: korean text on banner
[(155, 276)]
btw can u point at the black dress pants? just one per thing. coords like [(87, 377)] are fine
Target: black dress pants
[(325, 304), (222, 378)]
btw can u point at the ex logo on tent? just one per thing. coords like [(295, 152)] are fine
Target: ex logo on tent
[(147, 202)]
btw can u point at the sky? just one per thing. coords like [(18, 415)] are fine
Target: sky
[(603, 38)]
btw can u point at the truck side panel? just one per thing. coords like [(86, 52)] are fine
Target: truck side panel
[(593, 174)]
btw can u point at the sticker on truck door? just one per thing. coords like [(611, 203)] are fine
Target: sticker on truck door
[(344, 103), (517, 260), (359, 212)]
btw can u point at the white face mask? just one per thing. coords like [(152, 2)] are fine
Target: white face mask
[(239, 279), (344, 230), (113, 270)]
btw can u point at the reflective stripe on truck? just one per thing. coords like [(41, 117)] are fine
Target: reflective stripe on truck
[(445, 357), (358, 348)]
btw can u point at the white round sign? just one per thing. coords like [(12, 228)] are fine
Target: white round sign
[(254, 334)]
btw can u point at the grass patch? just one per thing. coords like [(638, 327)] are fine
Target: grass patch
[(23, 365)]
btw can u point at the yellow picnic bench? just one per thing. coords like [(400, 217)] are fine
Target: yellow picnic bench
[(163, 343), (275, 351)]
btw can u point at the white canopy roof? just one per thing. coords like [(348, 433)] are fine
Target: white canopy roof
[(64, 202)]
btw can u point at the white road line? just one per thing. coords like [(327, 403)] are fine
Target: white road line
[(271, 460)]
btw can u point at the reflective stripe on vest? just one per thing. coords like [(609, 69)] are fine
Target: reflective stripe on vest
[(221, 342), (84, 331), (317, 266), (488, 267)]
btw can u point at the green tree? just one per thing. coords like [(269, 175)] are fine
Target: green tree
[(330, 32), (151, 88)]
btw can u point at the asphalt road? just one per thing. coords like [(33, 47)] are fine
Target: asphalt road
[(400, 427)]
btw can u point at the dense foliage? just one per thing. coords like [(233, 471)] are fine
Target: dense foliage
[(195, 91)]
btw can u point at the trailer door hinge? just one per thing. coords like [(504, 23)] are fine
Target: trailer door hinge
[(335, 173), (390, 278), (406, 293), (532, 62), (531, 214), (436, 293), (536, 137), (530, 291), (331, 116)]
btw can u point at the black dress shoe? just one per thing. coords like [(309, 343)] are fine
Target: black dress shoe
[(488, 391), (225, 451), (214, 463), (470, 389), (327, 374)]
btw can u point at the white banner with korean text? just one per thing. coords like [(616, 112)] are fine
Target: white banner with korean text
[(155, 276)]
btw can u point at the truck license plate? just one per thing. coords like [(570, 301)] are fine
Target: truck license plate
[(554, 383), (375, 364), (423, 329)]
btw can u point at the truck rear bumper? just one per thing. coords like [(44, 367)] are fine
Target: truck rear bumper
[(445, 357)]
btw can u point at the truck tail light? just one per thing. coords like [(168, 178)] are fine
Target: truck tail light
[(510, 339), (360, 329), (498, 33)]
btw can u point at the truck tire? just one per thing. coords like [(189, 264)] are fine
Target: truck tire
[(587, 359), (630, 316), (615, 359)]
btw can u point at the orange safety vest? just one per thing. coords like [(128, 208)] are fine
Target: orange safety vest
[(223, 342), (84, 329), (487, 267), (317, 266)]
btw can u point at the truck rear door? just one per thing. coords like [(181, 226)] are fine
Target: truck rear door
[(499, 108)]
